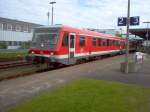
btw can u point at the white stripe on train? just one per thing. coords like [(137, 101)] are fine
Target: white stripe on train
[(78, 55)]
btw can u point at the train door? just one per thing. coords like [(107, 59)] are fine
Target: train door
[(72, 48)]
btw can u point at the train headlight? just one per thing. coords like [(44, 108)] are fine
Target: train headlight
[(51, 53), (32, 52)]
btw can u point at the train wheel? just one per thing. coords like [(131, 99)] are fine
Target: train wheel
[(80, 61), (56, 65)]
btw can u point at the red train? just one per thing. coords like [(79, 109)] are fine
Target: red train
[(66, 45)]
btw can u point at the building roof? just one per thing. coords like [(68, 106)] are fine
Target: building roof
[(132, 37), (106, 31), (141, 32), (13, 21)]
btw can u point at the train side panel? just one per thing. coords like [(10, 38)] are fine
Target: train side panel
[(87, 44)]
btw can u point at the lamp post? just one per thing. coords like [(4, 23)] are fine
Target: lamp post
[(120, 31), (52, 11), (48, 17), (127, 38), (147, 34)]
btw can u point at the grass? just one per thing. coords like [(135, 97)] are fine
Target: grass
[(12, 54), (90, 96)]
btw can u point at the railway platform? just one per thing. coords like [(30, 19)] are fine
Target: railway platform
[(24, 88)]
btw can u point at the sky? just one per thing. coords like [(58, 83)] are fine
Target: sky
[(100, 14)]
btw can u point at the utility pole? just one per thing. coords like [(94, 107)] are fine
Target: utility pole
[(127, 38), (48, 17), (120, 31), (52, 11)]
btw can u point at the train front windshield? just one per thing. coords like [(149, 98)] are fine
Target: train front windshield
[(45, 38)]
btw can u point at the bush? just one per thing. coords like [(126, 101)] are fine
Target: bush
[(25, 45), (3, 46), (119, 35)]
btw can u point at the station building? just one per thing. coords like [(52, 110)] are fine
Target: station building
[(143, 33), (105, 31), (15, 33)]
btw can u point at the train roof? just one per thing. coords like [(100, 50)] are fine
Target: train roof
[(83, 31)]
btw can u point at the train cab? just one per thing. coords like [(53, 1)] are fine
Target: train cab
[(52, 45)]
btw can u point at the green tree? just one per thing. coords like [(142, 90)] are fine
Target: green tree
[(3, 46), (25, 45), (119, 35)]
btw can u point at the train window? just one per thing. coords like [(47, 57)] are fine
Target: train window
[(65, 40), (82, 41), (72, 41), (104, 42), (122, 44), (115, 43), (99, 41), (94, 41), (119, 43), (110, 42)]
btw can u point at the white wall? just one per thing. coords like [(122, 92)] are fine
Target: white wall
[(15, 36)]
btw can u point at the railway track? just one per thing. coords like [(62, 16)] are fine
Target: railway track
[(34, 68), (13, 64)]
